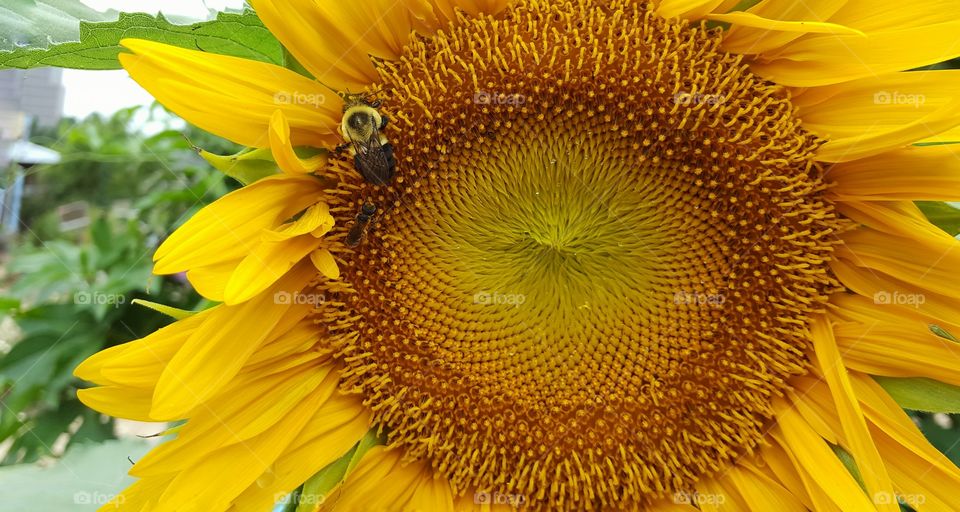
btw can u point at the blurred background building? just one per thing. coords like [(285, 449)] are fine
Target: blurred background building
[(26, 96)]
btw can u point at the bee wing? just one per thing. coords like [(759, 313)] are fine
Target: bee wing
[(372, 159)]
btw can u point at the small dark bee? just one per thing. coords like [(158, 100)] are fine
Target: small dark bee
[(360, 128), (360, 226)]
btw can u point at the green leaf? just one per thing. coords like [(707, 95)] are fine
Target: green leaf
[(38, 23), (290, 62), (922, 394), (9, 303), (236, 34), (945, 216)]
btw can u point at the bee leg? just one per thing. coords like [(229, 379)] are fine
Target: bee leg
[(383, 121), (341, 147)]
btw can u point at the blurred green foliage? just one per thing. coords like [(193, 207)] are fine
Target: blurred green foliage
[(70, 288)]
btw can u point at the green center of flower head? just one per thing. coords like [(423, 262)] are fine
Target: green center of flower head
[(596, 262)]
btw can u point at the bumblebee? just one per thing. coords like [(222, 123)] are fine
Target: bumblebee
[(361, 129)]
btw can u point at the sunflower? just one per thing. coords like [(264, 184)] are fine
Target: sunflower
[(634, 256)]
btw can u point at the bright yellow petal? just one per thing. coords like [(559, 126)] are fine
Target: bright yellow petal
[(817, 461), (121, 402), (334, 40), (239, 415), (337, 426), (231, 227), (815, 60), (215, 480), (136, 363), (924, 476), (872, 115), (282, 148), (690, 9), (778, 463), (324, 261), (751, 40), (301, 337), (926, 262), (901, 218), (861, 445), (267, 263), (930, 173), (746, 19), (219, 348), (383, 482), (316, 220), (762, 492), (233, 97), (891, 344), (876, 285), (211, 281)]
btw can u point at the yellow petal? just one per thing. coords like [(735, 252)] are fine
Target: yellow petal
[(121, 402), (211, 281), (219, 348), (214, 481), (237, 416), (901, 218), (432, 494), (383, 482), (301, 337), (324, 262), (861, 445), (747, 19), (762, 492), (334, 40), (751, 40), (229, 228), (817, 461), (316, 220), (815, 60), (871, 115), (265, 265), (929, 173), (926, 262), (233, 97), (778, 463), (144, 357), (894, 346), (924, 476), (337, 426), (875, 285), (715, 495), (689, 9), (282, 148)]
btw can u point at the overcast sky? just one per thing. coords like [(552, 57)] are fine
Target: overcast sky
[(108, 91)]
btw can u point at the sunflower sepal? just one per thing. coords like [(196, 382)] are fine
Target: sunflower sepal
[(172, 312), (848, 461), (922, 394), (943, 333), (247, 166), (316, 490)]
